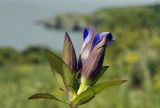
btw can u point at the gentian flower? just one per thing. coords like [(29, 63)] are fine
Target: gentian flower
[(92, 55)]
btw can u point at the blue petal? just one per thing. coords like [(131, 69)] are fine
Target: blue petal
[(96, 40), (85, 33), (109, 36), (98, 37)]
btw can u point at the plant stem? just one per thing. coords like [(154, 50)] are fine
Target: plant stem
[(73, 106)]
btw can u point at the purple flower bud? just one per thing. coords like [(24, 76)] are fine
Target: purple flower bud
[(69, 55), (94, 62)]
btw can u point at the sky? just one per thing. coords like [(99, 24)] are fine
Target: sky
[(59, 4)]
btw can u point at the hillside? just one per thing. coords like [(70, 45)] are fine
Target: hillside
[(132, 17)]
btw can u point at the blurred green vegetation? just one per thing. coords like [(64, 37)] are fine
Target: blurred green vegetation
[(134, 56)]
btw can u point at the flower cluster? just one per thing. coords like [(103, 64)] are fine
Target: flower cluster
[(91, 55), (77, 78)]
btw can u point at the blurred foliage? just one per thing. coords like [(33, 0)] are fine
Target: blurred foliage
[(9, 55), (34, 54), (133, 56), (31, 55)]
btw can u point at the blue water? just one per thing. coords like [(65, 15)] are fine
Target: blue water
[(17, 28)]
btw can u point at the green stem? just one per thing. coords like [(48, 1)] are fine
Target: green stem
[(82, 88), (73, 106)]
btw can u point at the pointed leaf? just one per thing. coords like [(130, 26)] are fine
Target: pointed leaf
[(61, 70), (44, 96), (93, 90), (86, 100)]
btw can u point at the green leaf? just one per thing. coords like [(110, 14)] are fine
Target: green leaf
[(61, 70), (45, 96), (86, 100), (101, 72), (93, 90)]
